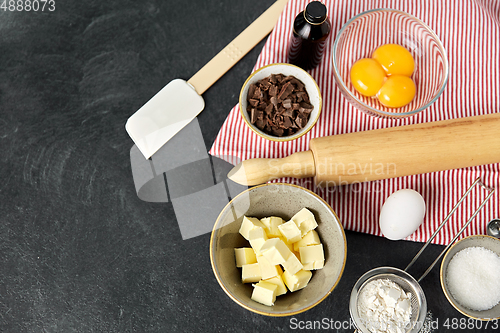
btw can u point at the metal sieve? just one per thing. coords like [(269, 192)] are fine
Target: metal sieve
[(405, 280)]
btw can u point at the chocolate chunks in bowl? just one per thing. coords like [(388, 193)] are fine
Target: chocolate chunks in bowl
[(279, 105)]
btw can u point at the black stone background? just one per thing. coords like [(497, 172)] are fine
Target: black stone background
[(79, 252)]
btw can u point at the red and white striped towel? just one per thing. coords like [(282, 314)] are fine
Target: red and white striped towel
[(470, 32)]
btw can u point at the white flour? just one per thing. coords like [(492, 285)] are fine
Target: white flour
[(384, 307)]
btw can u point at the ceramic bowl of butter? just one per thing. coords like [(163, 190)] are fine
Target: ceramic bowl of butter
[(389, 64), (280, 102), (282, 201), (470, 277)]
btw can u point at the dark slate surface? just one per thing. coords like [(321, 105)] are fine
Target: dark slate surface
[(79, 252)]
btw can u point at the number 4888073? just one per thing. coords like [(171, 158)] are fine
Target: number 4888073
[(28, 5)]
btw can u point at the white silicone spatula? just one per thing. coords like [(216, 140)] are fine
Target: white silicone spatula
[(179, 102)]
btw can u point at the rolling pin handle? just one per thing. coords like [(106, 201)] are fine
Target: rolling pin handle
[(261, 170)]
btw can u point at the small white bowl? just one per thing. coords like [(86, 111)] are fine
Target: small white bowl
[(286, 69)]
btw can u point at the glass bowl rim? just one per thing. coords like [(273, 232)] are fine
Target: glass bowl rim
[(346, 90)]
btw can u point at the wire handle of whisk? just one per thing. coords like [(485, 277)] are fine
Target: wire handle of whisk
[(476, 182)]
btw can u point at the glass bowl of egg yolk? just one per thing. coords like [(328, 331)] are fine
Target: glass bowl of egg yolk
[(389, 64)]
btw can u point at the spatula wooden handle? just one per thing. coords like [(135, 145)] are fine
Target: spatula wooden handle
[(384, 153), (237, 48)]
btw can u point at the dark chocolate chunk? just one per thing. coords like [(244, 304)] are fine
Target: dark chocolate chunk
[(274, 101), (278, 131), (288, 113), (285, 91), (297, 84), (260, 123), (305, 108), (269, 108), (301, 121), (253, 102), (287, 103), (265, 84), (260, 114), (287, 122), (273, 90), (305, 97), (253, 116), (251, 90), (257, 94)]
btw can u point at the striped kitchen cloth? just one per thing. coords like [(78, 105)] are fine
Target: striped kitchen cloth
[(470, 33)]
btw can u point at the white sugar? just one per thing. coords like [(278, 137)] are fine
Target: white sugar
[(473, 278)]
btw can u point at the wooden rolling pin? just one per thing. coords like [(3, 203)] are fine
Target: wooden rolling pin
[(383, 153)]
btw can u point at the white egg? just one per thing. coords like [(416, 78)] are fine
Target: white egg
[(402, 213)]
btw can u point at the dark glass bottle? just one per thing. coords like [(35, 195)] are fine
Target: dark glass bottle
[(311, 28)]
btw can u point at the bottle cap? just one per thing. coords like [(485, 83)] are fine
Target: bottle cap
[(315, 12)]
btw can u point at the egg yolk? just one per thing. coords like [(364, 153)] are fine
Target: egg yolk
[(397, 91), (367, 76), (395, 59)]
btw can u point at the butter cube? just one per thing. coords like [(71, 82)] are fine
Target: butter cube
[(289, 245), (312, 256), (250, 273), (278, 281), (292, 265), (244, 256), (249, 223), (257, 237), (271, 225), (305, 221), (319, 264), (290, 231), (307, 225), (296, 281), (311, 238), (275, 250), (268, 270), (264, 293), (302, 215)]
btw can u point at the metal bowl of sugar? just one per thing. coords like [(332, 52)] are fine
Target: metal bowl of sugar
[(397, 287), (470, 277)]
